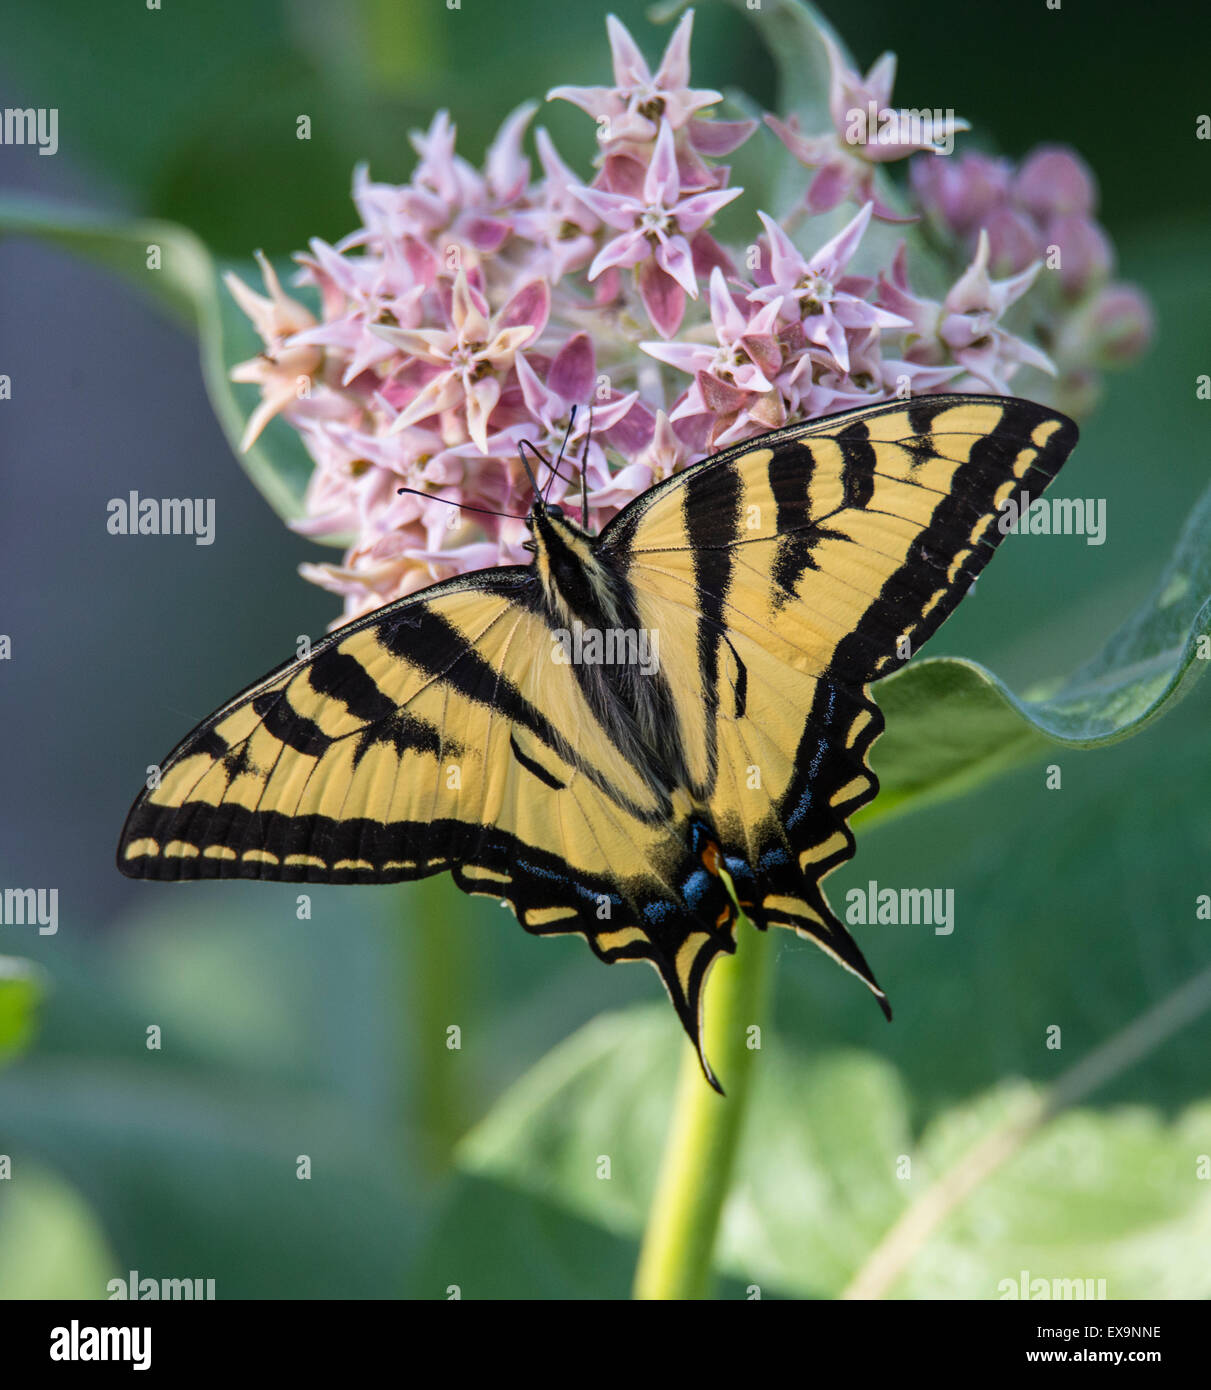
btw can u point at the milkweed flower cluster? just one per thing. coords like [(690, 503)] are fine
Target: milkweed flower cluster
[(475, 308)]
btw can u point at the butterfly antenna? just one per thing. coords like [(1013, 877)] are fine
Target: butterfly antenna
[(554, 467), (546, 462), (584, 472), (522, 446), (463, 506)]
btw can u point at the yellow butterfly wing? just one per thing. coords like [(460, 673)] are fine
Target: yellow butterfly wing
[(438, 733), (787, 574)]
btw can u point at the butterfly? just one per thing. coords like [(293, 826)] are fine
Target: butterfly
[(643, 733)]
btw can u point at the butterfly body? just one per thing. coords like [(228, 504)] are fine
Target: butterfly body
[(618, 799)]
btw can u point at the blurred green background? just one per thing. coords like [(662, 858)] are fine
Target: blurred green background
[(327, 1037)]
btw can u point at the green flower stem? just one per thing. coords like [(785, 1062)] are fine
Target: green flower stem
[(434, 964), (704, 1134)]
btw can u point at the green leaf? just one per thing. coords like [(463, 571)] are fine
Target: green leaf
[(51, 1244), (822, 1173), (21, 989), (187, 285), (951, 723)]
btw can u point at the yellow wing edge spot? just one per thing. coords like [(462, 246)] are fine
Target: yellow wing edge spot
[(614, 940), (260, 856), (219, 852), (180, 849), (476, 872), (305, 861), (353, 864), (146, 848), (813, 853), (540, 916), (686, 957), (851, 789), (1022, 463), (860, 721)]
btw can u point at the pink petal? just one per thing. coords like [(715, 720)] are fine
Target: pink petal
[(572, 372), (630, 67), (487, 233), (608, 287), (626, 250), (530, 307), (542, 402), (619, 210), (608, 415), (674, 256), (834, 255), (716, 138), (596, 101), (468, 310), (708, 254), (663, 298), (698, 210), (686, 357), (508, 170), (674, 70), (662, 186), (480, 401), (786, 264), (430, 344), (443, 393), (633, 432), (622, 173), (720, 396), (828, 188), (808, 150)]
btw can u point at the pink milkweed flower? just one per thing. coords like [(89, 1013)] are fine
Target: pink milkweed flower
[(845, 158), (966, 326), (746, 348), (638, 103), (368, 291), (970, 325), (964, 193), (472, 355), (446, 194), (818, 292), (471, 307), (571, 380), (560, 221), (655, 228), (286, 361)]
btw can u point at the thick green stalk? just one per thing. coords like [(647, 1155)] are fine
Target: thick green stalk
[(696, 1172), (435, 967)]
